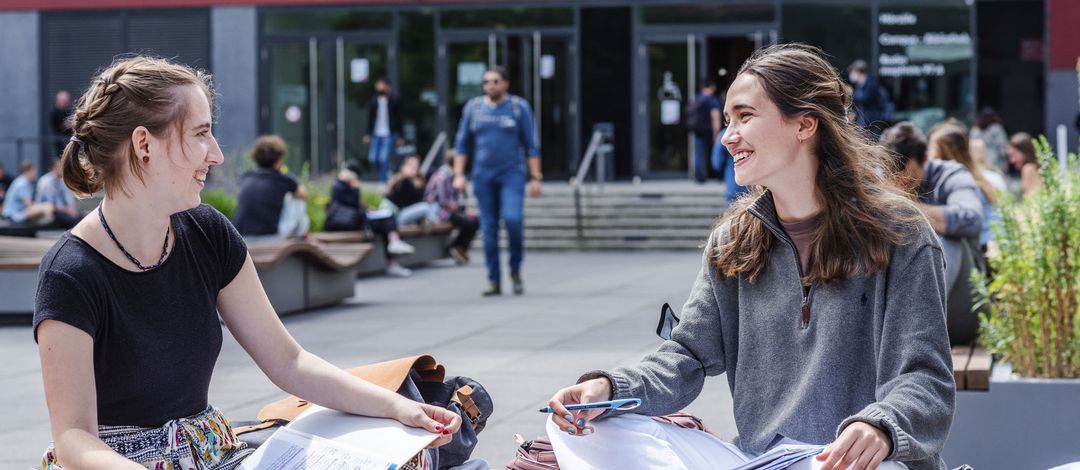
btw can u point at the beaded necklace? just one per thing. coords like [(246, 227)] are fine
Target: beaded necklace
[(164, 248)]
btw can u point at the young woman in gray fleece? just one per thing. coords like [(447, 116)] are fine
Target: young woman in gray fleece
[(821, 295)]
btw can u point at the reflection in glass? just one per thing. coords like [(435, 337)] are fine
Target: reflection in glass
[(358, 93), (290, 114), (925, 59), (667, 95)]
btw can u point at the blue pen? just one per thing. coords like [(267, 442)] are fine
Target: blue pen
[(625, 404)]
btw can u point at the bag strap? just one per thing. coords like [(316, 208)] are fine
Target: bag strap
[(463, 398)]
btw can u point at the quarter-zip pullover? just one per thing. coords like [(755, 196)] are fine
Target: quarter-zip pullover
[(875, 349)]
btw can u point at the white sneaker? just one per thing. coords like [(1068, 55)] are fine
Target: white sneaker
[(398, 270), (398, 247)]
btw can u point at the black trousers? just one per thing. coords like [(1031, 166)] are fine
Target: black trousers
[(467, 226)]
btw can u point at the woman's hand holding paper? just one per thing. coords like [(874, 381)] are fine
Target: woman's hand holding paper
[(433, 418)]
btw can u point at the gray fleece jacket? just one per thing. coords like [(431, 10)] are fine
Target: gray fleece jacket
[(949, 184), (873, 349)]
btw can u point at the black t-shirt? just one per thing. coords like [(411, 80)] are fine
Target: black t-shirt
[(405, 193), (258, 206), (156, 333)]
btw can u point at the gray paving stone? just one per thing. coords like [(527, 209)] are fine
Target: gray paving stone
[(581, 311)]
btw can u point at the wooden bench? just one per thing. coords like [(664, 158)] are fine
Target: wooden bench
[(299, 275), (429, 240), (296, 275), (971, 367), (19, 261)]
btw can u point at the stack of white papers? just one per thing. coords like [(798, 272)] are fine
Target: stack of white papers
[(323, 439), (781, 457)]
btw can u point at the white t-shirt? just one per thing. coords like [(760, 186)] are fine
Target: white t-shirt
[(382, 117)]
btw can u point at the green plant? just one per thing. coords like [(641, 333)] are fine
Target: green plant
[(221, 200), (1034, 297)]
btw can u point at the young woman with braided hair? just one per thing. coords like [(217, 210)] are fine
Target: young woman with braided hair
[(821, 296), (127, 307)]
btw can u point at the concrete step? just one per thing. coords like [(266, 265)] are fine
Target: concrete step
[(627, 221), (609, 233), (614, 212)]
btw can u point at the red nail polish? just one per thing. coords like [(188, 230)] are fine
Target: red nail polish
[(438, 427)]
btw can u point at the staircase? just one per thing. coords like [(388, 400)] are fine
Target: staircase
[(675, 215)]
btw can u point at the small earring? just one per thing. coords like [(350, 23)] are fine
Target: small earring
[(147, 159)]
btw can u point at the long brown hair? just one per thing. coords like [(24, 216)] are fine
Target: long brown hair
[(132, 92), (951, 143), (1022, 141), (863, 213)]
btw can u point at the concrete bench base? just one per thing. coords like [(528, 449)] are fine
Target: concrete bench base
[(430, 242), (300, 276), (19, 260)]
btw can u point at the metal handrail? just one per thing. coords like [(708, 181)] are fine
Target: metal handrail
[(577, 180), (429, 159)]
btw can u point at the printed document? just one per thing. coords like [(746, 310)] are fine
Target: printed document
[(326, 439)]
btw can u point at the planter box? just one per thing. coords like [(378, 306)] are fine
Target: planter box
[(1019, 424)]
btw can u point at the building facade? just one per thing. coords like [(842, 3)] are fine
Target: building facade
[(306, 71)]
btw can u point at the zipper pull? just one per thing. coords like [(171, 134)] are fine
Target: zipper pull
[(805, 314)]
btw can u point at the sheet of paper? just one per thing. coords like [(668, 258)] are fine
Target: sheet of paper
[(384, 437), (292, 450), (781, 457)]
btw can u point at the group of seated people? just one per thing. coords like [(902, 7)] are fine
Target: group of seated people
[(41, 202), (272, 205), (958, 190)]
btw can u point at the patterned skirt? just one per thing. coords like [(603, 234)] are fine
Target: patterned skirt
[(202, 442)]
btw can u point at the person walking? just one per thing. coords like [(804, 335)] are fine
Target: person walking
[(874, 108), (383, 128), (60, 122), (497, 131), (704, 121)]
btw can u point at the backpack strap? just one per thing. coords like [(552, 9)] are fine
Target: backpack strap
[(463, 398), (472, 104), (515, 105)]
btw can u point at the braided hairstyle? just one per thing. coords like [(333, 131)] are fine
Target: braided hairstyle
[(132, 92)]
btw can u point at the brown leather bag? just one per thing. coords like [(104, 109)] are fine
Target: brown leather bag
[(389, 375)]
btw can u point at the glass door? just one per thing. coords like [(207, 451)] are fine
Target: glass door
[(669, 90), (357, 66), (317, 95), (287, 106)]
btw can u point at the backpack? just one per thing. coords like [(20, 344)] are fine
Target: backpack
[(698, 116), (538, 454)]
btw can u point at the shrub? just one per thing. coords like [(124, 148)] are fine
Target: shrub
[(221, 200), (1034, 297)]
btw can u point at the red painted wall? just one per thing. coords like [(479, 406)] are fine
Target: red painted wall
[(1064, 33), (115, 4)]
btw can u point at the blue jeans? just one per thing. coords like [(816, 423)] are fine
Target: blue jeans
[(702, 150), (501, 196), (379, 155)]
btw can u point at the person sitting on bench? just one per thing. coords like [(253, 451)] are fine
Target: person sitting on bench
[(271, 204), (347, 212), (51, 190), (19, 206), (130, 302), (820, 295)]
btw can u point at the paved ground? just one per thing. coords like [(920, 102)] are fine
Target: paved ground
[(582, 311)]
